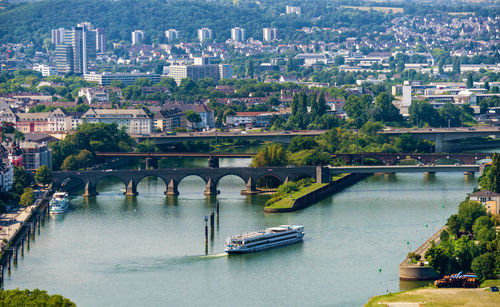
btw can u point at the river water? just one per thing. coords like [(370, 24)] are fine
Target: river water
[(149, 250)]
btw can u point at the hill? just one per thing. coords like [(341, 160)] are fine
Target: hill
[(33, 21)]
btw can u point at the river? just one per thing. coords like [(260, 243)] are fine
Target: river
[(149, 250)]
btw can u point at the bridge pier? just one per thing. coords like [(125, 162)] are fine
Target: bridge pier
[(251, 187), (211, 188), (151, 163), (90, 189), (131, 189), (213, 162), (323, 174), (172, 188)]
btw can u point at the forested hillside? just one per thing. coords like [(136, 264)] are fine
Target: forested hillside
[(33, 21)]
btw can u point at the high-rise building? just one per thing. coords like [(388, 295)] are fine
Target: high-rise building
[(270, 34), (293, 10), (82, 42), (58, 36), (138, 37), (238, 34), (100, 39), (64, 59), (171, 35), (205, 34)]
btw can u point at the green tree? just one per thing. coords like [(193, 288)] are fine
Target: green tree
[(407, 142), (484, 266), (317, 157), (468, 212), (147, 146), (470, 81), (423, 113), (193, 117), (21, 181), (384, 110), (34, 297), (456, 66), (70, 163), (250, 69), (43, 175), (453, 224), (357, 108), (27, 197), (272, 155), (339, 60), (117, 83), (492, 175), (480, 223), (84, 158), (439, 259), (300, 142)]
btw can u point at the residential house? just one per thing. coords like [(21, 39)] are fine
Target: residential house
[(490, 200)]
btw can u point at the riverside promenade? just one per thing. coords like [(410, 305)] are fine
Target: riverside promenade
[(18, 226), (420, 270)]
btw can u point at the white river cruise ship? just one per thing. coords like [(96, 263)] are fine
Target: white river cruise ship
[(264, 239)]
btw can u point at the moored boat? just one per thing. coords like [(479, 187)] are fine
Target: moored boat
[(59, 203), (264, 239)]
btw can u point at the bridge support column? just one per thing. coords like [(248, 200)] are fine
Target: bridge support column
[(151, 163), (172, 188), (131, 188), (468, 175), (211, 188), (213, 162), (323, 174), (90, 189), (251, 187)]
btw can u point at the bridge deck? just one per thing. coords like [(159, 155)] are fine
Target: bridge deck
[(404, 169)]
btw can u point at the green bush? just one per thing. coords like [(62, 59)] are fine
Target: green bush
[(288, 188)]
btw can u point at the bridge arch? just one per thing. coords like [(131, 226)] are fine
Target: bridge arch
[(180, 179), (61, 184), (269, 180), (109, 176), (228, 182), (149, 176)]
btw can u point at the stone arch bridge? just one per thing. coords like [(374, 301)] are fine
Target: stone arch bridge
[(172, 177)]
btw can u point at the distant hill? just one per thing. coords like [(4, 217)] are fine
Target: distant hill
[(33, 21)]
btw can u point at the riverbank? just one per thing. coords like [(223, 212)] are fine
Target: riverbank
[(420, 270), (432, 296), (315, 192), (18, 226)]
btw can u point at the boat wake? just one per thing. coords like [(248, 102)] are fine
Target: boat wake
[(213, 256), (152, 263)]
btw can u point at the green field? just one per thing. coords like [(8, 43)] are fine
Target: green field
[(288, 201), (432, 296)]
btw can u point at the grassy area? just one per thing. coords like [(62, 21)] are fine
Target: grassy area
[(375, 8), (288, 200), (432, 296)]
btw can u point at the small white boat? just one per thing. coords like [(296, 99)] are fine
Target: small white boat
[(264, 239), (59, 203)]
